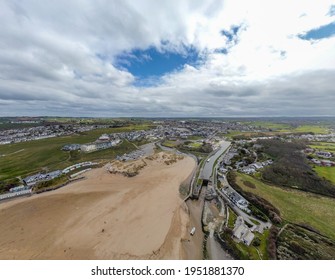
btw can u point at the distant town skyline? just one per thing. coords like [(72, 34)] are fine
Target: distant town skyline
[(147, 58)]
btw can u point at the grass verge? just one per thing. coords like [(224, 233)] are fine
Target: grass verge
[(326, 172)]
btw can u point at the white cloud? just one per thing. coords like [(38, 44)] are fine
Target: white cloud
[(57, 57)]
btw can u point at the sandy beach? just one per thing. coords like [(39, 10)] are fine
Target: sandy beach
[(104, 216)]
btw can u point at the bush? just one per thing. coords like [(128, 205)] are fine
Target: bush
[(249, 184), (295, 247), (256, 242), (272, 245)]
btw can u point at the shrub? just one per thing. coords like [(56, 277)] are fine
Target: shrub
[(256, 242)]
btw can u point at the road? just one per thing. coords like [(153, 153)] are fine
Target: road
[(262, 225), (208, 167)]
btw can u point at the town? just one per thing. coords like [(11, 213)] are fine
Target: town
[(233, 221)]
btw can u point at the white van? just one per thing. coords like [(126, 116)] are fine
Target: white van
[(192, 231)]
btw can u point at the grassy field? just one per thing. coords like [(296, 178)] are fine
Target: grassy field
[(233, 133), (194, 137), (279, 128), (296, 206), (195, 145), (24, 158), (311, 128), (324, 146), (326, 172), (170, 143), (272, 125), (284, 127), (232, 219)]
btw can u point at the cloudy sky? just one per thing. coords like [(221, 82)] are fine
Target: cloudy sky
[(167, 58)]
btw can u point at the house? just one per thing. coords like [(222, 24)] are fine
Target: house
[(327, 163), (256, 165), (248, 170), (99, 146), (248, 237), (71, 147), (18, 188), (223, 169), (242, 232), (88, 148), (316, 161), (104, 137), (34, 179), (324, 154)]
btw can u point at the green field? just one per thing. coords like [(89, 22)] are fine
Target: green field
[(279, 128), (24, 158), (232, 219), (194, 137), (324, 146), (284, 127), (311, 128), (326, 172), (195, 145), (248, 134), (272, 125), (233, 133), (296, 206), (170, 143)]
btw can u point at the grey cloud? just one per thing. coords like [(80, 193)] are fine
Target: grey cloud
[(56, 59)]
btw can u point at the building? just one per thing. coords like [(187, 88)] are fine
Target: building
[(104, 137), (18, 188), (88, 148), (15, 194), (39, 177), (324, 154), (316, 161), (99, 146), (327, 163), (248, 170), (77, 166), (256, 165), (71, 147), (242, 232)]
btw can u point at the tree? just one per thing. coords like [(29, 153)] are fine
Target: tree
[(256, 242)]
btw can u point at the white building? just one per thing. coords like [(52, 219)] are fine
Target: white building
[(99, 146), (104, 137), (88, 147), (242, 232)]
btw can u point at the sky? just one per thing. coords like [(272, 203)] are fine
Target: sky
[(176, 58)]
